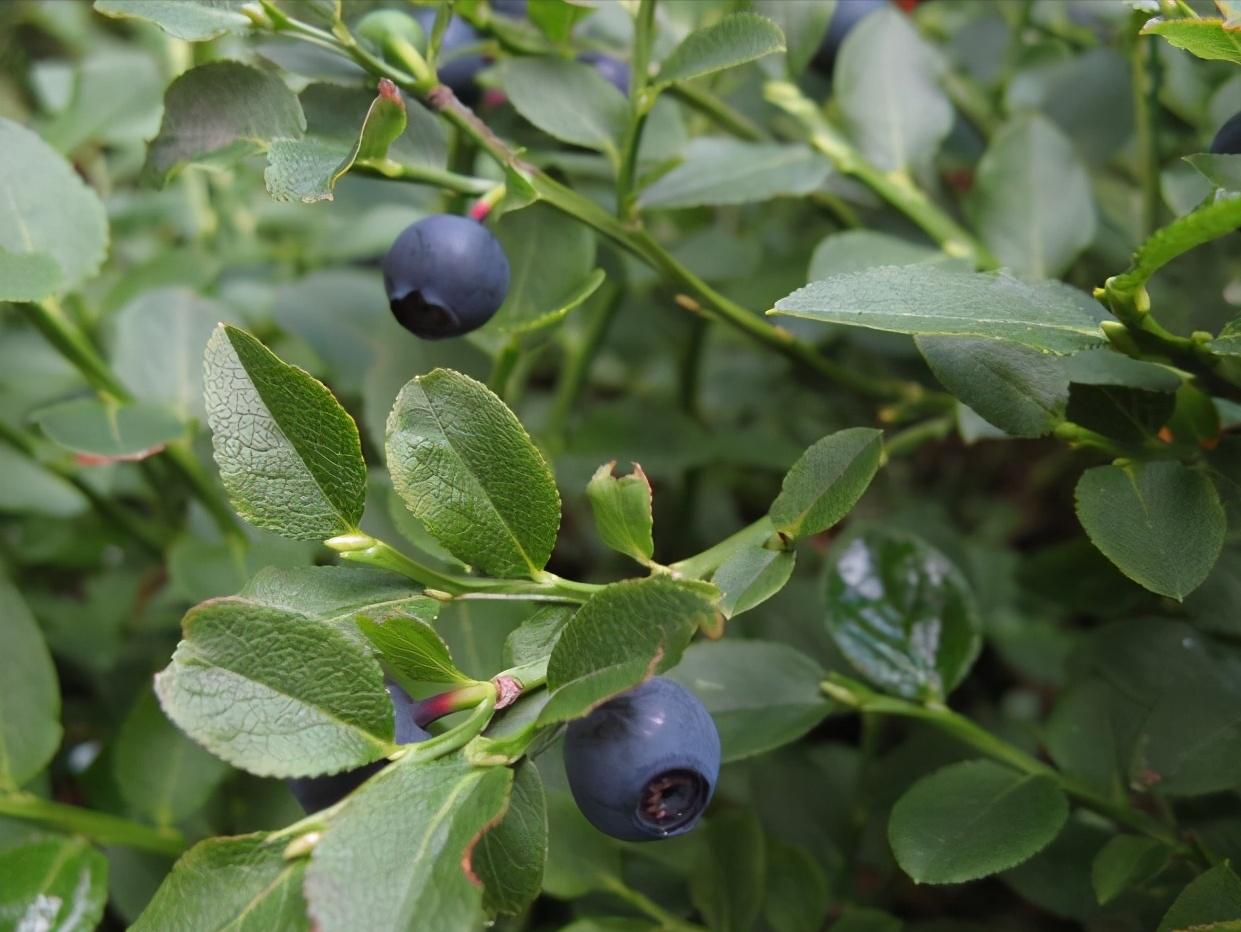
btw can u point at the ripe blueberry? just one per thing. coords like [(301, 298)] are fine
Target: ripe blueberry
[(1228, 140), (445, 276), (455, 67), (643, 765), (848, 14), (613, 69), (315, 793)]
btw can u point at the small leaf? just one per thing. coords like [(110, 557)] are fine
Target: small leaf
[(902, 614), (1126, 861), (274, 692), (53, 884), (29, 695), (1214, 218), (509, 858), (120, 432), (729, 171), (567, 100), (289, 454), (973, 819), (535, 637), (217, 114), (1019, 390), (1212, 897), (827, 481), (726, 882), (761, 694), (1049, 315), (622, 510), (1161, 523), (412, 649), (1222, 169), (401, 850), (191, 20), (751, 576), (53, 229), (467, 469), (625, 633), (1211, 39), (242, 883), (734, 40)]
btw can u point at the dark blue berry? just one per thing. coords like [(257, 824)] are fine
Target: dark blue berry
[(847, 15), (457, 69), (1228, 140), (613, 69), (445, 276), (643, 766), (315, 793)]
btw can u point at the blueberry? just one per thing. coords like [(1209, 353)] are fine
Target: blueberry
[(613, 69), (1228, 140), (643, 765), (315, 793), (445, 276), (456, 69), (848, 14)]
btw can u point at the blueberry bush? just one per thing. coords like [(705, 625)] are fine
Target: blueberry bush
[(620, 465)]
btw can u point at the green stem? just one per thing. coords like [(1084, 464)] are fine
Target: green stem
[(577, 365), (855, 695), (640, 103), (98, 826), (502, 366), (708, 561), (911, 438), (644, 904), (421, 174), (1142, 62), (453, 739), (719, 112)]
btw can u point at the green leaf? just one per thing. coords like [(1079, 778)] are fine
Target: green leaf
[(797, 889), (551, 261), (827, 481), (218, 113), (1161, 523), (579, 857), (338, 594), (242, 884), (556, 17), (1019, 390), (1211, 39), (1214, 218), (191, 20), (1049, 316), (622, 510), (399, 854), (289, 454), (1214, 896), (855, 250), (112, 431), (761, 694), (412, 649), (509, 858), (886, 83), (307, 169), (1105, 366), (1126, 861), (49, 219), (804, 26), (973, 819), (567, 100), (902, 614), (163, 775), (467, 469), (28, 488), (535, 638), (1221, 169), (623, 634), (734, 40), (866, 919), (29, 695), (726, 883), (717, 171), (276, 693), (52, 884), (751, 576), (1228, 343), (1190, 740), (1031, 201)]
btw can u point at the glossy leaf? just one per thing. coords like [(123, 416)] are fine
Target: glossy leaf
[(1048, 316), (467, 469), (1161, 523), (729, 171), (761, 694), (242, 883), (622, 510), (191, 20), (29, 694), (509, 858), (734, 40), (827, 481), (53, 230), (751, 576), (57, 884), (973, 819), (1126, 861), (289, 454), (902, 614), (567, 100), (1211, 897), (275, 692), (402, 849)]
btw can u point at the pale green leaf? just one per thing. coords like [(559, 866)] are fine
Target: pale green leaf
[(827, 481), (751, 576), (191, 20), (1207, 38), (718, 171), (622, 510), (734, 40), (412, 649), (567, 100), (112, 431), (29, 695)]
